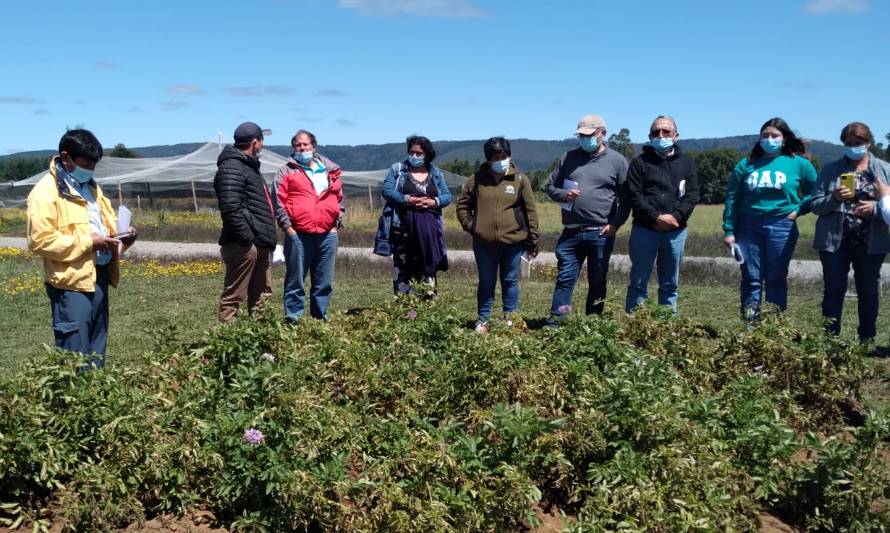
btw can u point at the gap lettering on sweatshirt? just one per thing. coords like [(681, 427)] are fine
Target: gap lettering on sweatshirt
[(766, 180)]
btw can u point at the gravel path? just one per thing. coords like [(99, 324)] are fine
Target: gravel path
[(718, 266)]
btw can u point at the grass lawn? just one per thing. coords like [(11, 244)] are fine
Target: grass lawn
[(156, 300)]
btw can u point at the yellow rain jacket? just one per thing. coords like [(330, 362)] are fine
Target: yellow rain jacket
[(59, 231)]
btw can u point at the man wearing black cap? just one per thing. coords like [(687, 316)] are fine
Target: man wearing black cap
[(248, 233)]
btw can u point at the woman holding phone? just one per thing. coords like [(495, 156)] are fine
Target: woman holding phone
[(766, 193), (849, 231)]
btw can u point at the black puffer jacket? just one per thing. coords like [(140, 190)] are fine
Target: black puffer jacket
[(244, 202)]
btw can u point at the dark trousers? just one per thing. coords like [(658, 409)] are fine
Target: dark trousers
[(866, 274), (80, 319)]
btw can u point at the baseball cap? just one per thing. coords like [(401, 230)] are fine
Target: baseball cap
[(589, 124), (249, 131)]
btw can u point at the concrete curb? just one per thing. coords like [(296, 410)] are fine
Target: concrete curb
[(805, 270)]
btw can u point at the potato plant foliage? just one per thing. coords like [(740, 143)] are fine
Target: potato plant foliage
[(399, 418)]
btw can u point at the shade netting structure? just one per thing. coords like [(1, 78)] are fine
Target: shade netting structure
[(189, 178)]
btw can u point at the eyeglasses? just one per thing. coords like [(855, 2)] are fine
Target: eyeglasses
[(657, 132)]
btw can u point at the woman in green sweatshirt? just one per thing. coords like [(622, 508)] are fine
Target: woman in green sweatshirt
[(766, 193)]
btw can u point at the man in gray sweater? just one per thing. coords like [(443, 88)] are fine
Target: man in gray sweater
[(587, 182)]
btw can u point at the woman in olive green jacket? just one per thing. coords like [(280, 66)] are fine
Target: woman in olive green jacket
[(497, 207)]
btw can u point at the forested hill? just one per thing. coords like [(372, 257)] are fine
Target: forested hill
[(529, 154)]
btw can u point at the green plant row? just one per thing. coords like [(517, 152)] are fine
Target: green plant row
[(399, 418)]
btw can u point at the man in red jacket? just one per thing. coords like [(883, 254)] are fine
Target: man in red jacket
[(309, 208)]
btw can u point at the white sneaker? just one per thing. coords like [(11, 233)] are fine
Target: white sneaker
[(482, 328)]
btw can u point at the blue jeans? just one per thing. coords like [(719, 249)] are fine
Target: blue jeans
[(80, 319), (866, 274), (767, 244), (576, 245), (316, 254), (493, 260), (650, 247)]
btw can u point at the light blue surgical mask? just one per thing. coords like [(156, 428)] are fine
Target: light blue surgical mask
[(771, 146), (662, 144), (589, 144), (500, 167), (855, 153), (416, 161), (303, 157), (81, 175)]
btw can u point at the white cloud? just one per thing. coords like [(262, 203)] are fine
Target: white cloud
[(185, 88), (347, 123), (254, 91), (821, 7), (19, 100), (107, 65), (429, 8)]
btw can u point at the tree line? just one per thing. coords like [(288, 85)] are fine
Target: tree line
[(714, 166), (18, 168)]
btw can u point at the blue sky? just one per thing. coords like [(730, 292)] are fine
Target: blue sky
[(374, 71)]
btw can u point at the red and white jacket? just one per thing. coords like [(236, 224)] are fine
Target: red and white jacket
[(298, 206)]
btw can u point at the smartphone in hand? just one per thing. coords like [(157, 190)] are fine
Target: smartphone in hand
[(848, 180)]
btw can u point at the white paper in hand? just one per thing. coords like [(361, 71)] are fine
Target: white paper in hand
[(124, 218), (568, 185), (736, 253), (278, 255)]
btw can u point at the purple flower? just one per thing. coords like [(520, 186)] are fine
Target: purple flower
[(253, 436), (412, 314), (268, 357), (564, 309)]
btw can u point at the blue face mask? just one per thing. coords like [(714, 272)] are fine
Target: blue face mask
[(662, 144), (589, 144), (303, 157), (500, 167), (771, 146), (81, 175), (855, 153), (416, 161)]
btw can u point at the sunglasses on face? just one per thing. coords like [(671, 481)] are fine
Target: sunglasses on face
[(656, 133)]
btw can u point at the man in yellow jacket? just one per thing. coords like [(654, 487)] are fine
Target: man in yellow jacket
[(71, 225)]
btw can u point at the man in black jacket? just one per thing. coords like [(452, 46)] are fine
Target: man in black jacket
[(248, 233), (662, 190)]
